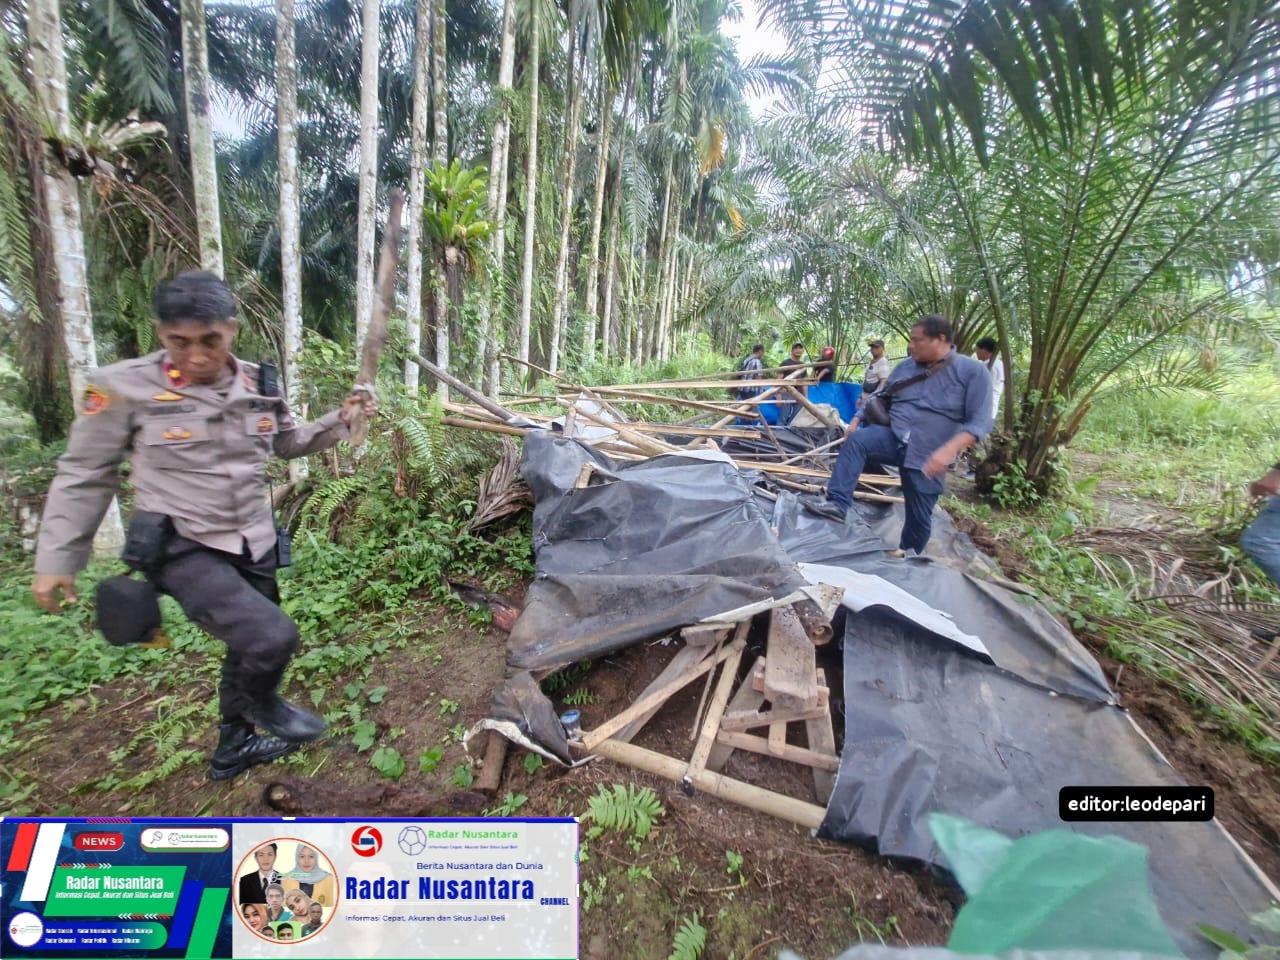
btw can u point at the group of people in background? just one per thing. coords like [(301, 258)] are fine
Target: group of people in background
[(796, 366), (289, 906)]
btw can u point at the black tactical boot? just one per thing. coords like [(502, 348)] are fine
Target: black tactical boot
[(240, 748), (283, 719)]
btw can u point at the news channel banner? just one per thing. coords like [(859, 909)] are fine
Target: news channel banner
[(295, 888)]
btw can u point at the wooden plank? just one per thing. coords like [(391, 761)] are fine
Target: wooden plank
[(790, 677), (746, 701), (711, 726), (809, 758), (704, 634), (822, 740), (740, 722), (654, 698), (799, 812), (777, 742), (686, 657)]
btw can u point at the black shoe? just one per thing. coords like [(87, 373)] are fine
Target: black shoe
[(822, 507), (283, 719), (240, 748)]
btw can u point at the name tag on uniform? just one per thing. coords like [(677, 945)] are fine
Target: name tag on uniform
[(175, 430), (260, 424)]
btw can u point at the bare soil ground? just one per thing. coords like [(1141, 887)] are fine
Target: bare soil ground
[(792, 891)]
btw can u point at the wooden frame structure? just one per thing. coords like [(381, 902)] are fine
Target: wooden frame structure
[(783, 687)]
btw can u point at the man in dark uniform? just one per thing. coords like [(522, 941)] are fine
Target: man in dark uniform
[(198, 428)]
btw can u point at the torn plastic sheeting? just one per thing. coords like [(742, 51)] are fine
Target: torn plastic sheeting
[(929, 727), (523, 714), (1018, 632), (862, 590)]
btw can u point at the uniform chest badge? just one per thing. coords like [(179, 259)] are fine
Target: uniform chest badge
[(167, 396), (266, 425), (94, 401), (174, 375), (177, 433)]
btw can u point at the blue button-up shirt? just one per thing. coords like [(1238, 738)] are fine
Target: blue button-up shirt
[(927, 414)]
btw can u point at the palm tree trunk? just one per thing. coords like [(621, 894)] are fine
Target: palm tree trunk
[(493, 337), (204, 170), (417, 188), (597, 216), (62, 204), (568, 167), (611, 243), (610, 276), (440, 153), (530, 190), (368, 170), (290, 208)]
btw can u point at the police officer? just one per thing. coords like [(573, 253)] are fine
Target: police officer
[(198, 425)]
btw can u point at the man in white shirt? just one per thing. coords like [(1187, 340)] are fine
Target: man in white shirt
[(878, 369), (988, 354)]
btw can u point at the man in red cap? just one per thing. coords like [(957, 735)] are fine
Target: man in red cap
[(825, 368)]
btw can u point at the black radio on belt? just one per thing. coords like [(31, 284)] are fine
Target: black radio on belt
[(268, 379), (284, 547)]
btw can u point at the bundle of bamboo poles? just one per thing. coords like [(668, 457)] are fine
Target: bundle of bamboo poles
[(596, 410)]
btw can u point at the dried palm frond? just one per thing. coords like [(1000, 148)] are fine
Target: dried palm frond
[(502, 492)]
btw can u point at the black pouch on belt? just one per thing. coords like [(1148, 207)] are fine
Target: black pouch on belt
[(145, 543), (129, 611)]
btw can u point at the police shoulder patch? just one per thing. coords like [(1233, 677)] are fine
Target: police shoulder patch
[(95, 400)]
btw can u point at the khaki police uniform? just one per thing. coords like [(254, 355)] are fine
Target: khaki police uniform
[(198, 454)]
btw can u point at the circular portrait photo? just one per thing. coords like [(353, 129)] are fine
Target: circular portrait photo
[(286, 890)]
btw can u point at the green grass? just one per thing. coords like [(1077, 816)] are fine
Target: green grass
[(1191, 451)]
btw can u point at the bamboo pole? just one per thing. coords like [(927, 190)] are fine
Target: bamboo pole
[(639, 440), (593, 738), (724, 687), (799, 812), (621, 394), (809, 405), (473, 395), (813, 452)]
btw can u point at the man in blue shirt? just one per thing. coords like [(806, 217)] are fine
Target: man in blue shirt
[(932, 421)]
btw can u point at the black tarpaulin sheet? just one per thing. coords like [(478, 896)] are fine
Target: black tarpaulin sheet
[(644, 549), (930, 726), (652, 546)]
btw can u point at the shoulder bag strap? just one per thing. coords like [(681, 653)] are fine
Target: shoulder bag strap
[(928, 372)]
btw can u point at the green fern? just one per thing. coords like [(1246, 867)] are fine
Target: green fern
[(691, 940), (321, 505), (562, 679), (625, 808), (171, 765)]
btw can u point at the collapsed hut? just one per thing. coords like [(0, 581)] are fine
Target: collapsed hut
[(903, 686)]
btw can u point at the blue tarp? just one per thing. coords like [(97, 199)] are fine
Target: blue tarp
[(842, 396)]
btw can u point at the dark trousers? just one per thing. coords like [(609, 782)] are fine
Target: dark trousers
[(235, 599), (878, 446)]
